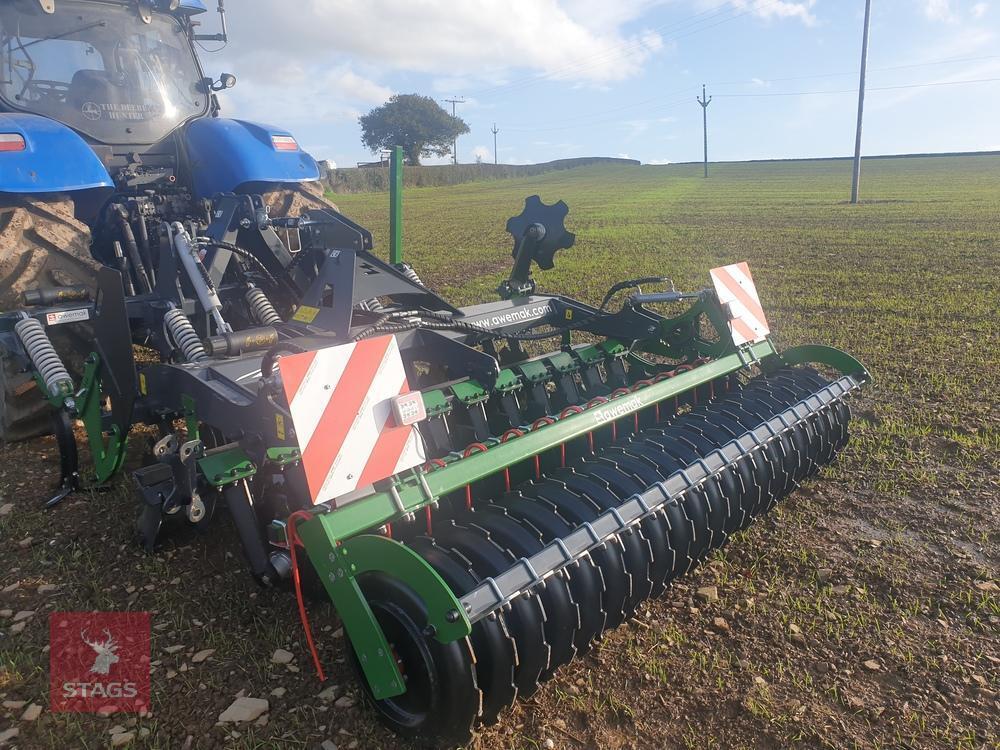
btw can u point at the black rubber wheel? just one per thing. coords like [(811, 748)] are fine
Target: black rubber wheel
[(634, 545), (772, 454), (496, 654), (442, 700), (737, 480), (680, 527), (562, 616), (526, 618), (754, 468), (654, 528), (756, 414), (610, 557), (585, 579), (706, 505), (695, 503)]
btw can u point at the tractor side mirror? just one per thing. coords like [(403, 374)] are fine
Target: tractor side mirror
[(226, 81)]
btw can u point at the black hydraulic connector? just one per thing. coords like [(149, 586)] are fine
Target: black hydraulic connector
[(234, 343), (56, 295)]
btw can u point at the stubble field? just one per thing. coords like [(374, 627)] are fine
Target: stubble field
[(864, 612)]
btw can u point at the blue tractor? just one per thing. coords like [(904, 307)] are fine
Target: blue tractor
[(110, 129)]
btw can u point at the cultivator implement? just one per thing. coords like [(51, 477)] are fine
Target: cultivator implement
[(478, 510)]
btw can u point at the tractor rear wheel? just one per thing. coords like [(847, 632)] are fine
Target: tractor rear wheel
[(42, 245), (292, 200)]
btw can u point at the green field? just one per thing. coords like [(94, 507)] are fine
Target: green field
[(910, 283), (862, 613)]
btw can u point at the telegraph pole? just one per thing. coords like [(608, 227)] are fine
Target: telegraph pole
[(496, 159), (454, 145), (704, 102), (856, 182)]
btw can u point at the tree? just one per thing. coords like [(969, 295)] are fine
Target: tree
[(417, 123)]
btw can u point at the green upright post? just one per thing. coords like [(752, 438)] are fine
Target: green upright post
[(396, 206)]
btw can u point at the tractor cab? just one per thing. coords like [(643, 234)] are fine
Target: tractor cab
[(117, 73)]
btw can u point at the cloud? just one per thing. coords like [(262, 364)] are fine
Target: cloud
[(980, 9), (939, 10), (296, 94), (802, 9), (571, 40)]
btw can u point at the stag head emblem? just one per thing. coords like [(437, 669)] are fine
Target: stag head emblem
[(105, 651)]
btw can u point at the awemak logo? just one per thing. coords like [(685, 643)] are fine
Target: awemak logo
[(105, 673)]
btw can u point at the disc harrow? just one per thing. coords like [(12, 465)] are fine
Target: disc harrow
[(546, 568), (478, 513)]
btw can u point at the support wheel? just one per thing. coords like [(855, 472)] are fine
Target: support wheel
[(441, 701)]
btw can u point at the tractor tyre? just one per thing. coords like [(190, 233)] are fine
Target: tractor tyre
[(292, 200), (42, 244)]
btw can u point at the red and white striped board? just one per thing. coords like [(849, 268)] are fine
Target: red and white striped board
[(340, 400), (738, 295)]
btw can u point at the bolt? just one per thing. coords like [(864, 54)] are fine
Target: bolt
[(246, 223), (452, 615), (430, 631)]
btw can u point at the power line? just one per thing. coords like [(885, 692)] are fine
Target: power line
[(887, 68), (726, 12), (676, 104), (870, 88), (454, 145), (681, 103)]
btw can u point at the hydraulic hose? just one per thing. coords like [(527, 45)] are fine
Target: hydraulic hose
[(132, 248)]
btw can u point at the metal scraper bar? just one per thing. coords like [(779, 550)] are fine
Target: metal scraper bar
[(527, 573)]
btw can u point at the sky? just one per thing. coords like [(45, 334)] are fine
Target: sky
[(572, 78)]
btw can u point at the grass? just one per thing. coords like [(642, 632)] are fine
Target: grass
[(908, 521), (908, 281)]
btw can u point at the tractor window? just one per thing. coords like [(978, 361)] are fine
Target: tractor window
[(100, 69)]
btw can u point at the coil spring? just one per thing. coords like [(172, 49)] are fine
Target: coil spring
[(43, 356), (261, 308), (407, 270), (184, 336)]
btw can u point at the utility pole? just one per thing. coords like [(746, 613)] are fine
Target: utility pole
[(454, 145), (704, 102), (856, 183), (496, 159)]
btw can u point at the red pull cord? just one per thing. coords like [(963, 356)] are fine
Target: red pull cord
[(293, 542)]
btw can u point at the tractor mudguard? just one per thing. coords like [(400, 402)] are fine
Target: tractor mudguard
[(230, 156), (54, 158)]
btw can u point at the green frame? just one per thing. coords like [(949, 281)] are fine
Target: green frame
[(340, 564), (337, 545)]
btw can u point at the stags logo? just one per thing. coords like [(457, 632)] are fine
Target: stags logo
[(105, 651), (107, 672)]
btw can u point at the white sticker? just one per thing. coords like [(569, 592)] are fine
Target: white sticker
[(70, 316)]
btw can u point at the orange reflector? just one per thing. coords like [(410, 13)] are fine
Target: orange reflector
[(284, 143), (12, 142)]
